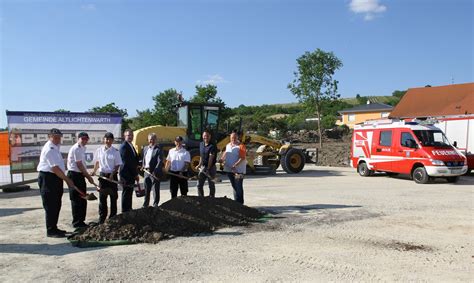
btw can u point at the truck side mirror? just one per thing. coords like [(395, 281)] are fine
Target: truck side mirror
[(455, 144)]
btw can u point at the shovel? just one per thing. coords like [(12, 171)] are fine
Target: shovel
[(85, 196), (112, 181), (152, 175), (177, 175), (214, 180)]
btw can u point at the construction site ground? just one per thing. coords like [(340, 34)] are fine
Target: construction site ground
[(329, 224)]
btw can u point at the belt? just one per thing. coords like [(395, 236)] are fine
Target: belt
[(46, 172), (75, 172)]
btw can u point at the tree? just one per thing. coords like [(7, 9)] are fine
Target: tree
[(144, 119), (313, 81), (399, 93), (62, 110), (361, 99), (165, 107), (112, 108), (206, 94)]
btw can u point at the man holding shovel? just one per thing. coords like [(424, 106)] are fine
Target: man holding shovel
[(207, 165), (177, 163), (235, 165), (77, 172), (153, 166), (50, 180), (108, 162), (128, 169)]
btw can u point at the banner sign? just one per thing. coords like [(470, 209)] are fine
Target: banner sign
[(28, 132)]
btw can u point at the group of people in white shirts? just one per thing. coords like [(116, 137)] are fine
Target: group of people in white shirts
[(110, 162)]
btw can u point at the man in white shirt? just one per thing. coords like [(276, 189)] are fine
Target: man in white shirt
[(107, 161), (77, 172), (50, 180), (177, 162)]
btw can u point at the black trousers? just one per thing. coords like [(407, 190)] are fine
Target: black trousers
[(107, 189), (176, 182), (127, 194), (151, 185), (51, 190), (78, 204)]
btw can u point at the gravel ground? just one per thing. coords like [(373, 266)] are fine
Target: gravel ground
[(329, 225)]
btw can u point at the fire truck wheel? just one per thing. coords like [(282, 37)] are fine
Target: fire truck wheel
[(452, 179), (364, 170), (420, 176)]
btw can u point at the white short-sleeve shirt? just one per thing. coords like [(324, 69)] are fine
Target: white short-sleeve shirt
[(178, 158), (108, 159), (76, 153), (50, 156)]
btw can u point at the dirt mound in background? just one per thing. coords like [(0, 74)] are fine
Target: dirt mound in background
[(336, 154), (182, 216), (336, 149)]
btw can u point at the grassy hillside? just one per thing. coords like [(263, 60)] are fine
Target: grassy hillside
[(374, 99), (350, 100)]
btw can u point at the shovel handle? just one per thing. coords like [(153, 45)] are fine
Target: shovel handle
[(109, 180), (176, 175), (152, 175), (81, 193), (96, 186)]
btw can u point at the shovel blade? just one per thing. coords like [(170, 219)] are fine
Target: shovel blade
[(90, 197)]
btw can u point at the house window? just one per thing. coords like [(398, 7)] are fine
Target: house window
[(386, 138), (351, 117), (384, 114)]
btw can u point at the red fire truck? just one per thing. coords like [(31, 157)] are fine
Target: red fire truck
[(418, 149)]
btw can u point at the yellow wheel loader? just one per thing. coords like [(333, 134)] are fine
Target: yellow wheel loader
[(264, 155)]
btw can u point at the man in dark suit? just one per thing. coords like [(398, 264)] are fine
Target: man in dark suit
[(128, 169), (152, 163)]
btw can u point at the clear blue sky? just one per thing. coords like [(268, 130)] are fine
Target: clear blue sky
[(79, 54)]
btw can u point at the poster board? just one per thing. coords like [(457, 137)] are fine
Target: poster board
[(28, 132)]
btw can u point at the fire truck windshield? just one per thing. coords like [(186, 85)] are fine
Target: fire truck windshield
[(432, 138)]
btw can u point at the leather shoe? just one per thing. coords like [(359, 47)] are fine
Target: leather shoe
[(60, 231), (81, 225), (55, 234)]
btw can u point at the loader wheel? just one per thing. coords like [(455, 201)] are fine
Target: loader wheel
[(420, 176), (195, 155), (293, 161), (364, 170)]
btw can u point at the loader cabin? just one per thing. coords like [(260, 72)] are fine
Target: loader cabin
[(197, 117)]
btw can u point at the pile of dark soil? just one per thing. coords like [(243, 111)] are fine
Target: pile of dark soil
[(182, 216)]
